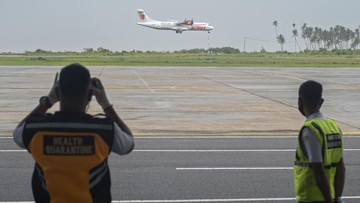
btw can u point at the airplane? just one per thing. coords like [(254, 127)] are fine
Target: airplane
[(178, 27)]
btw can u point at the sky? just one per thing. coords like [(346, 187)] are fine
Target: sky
[(72, 25)]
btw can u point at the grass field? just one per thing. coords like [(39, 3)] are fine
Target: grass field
[(170, 59)]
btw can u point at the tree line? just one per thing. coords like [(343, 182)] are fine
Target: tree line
[(316, 38), (101, 50), (215, 50)]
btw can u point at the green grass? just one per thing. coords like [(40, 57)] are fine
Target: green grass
[(172, 59)]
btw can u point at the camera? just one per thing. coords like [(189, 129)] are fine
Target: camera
[(94, 83)]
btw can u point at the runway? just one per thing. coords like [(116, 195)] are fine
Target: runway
[(186, 169), (195, 100), (203, 134)]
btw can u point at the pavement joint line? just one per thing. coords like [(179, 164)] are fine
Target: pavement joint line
[(223, 150), (205, 137), (217, 150), (201, 200), (213, 137), (219, 134), (236, 134), (195, 150), (143, 81), (228, 137), (234, 168)]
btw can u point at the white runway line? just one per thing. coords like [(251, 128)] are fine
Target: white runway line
[(208, 200), (215, 137), (143, 81), (200, 200), (236, 168), (13, 150), (195, 150), (229, 137), (216, 150)]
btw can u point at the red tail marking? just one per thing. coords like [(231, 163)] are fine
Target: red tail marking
[(142, 16)]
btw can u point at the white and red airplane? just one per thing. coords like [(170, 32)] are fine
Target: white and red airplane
[(186, 25)]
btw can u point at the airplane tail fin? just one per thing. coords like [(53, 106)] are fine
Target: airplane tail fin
[(143, 17)]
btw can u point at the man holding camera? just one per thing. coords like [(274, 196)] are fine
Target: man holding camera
[(71, 147)]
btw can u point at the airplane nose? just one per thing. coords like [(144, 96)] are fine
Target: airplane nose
[(211, 27)]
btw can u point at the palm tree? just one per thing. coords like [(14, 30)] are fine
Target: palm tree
[(309, 35), (337, 37), (304, 29), (326, 39), (275, 24), (332, 39), (281, 41), (356, 39), (350, 35), (317, 36), (295, 34)]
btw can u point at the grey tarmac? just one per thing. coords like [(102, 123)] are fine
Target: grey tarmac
[(202, 133), (202, 169), (195, 100)]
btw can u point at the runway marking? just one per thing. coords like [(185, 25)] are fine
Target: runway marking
[(201, 200), (207, 200), (209, 137), (248, 91), (289, 76), (217, 150), (143, 81), (236, 168), (267, 73), (224, 150), (228, 137), (217, 137), (196, 150)]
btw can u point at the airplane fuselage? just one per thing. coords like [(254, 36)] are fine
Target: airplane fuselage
[(187, 25), (174, 26), (158, 25)]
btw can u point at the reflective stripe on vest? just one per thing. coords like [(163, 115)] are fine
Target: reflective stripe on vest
[(330, 139)]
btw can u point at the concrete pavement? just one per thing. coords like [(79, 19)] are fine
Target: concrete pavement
[(179, 169), (192, 101), (196, 100)]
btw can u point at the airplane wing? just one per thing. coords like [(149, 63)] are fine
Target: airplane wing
[(179, 29)]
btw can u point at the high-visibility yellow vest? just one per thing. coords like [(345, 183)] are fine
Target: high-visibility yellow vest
[(331, 142)]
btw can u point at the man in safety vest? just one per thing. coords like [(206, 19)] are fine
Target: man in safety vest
[(319, 171), (71, 147)]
